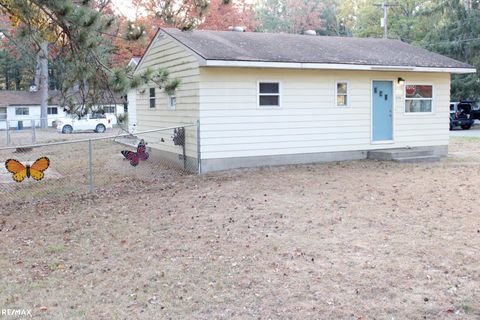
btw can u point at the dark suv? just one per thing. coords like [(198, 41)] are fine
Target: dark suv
[(461, 115)]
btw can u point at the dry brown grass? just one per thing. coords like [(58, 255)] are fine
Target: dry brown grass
[(354, 240)]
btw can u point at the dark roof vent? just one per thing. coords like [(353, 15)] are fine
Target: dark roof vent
[(238, 29), (310, 33)]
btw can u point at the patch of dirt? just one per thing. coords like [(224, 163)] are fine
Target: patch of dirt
[(351, 240)]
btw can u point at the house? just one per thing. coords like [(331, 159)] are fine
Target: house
[(20, 109), (269, 99)]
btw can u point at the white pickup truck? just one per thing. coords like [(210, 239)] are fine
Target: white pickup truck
[(97, 123)]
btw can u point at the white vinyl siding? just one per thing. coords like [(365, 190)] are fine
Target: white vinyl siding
[(168, 54), (33, 113), (234, 126)]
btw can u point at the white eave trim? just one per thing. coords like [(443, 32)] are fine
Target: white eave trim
[(327, 66)]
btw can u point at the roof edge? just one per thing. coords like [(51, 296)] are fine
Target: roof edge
[(330, 66), (163, 31), (201, 59)]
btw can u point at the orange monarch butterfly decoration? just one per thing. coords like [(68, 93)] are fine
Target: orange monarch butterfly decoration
[(20, 171)]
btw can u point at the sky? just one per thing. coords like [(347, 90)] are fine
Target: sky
[(125, 7)]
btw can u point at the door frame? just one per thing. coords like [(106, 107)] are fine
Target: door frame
[(393, 111)]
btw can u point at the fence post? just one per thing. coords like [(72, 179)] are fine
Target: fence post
[(8, 133), (199, 155), (90, 166), (33, 124)]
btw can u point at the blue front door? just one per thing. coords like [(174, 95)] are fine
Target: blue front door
[(382, 124)]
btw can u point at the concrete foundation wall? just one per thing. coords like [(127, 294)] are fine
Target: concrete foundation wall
[(209, 165)]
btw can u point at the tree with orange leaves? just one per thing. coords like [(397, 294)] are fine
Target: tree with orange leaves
[(153, 14), (221, 16), (80, 36)]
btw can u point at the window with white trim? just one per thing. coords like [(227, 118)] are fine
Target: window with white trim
[(22, 111), (418, 98), (152, 97), (109, 109), (341, 93), (52, 110), (172, 102), (269, 94)]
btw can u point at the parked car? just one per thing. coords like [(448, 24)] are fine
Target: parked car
[(460, 115), (91, 122), (470, 107)]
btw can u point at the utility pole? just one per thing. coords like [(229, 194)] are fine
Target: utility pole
[(384, 21)]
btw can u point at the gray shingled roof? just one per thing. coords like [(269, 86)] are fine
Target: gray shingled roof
[(22, 98), (26, 98), (279, 47)]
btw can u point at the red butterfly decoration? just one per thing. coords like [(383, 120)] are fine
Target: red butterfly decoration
[(135, 157)]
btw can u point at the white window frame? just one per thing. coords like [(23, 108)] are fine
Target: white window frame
[(269, 94), (172, 106), (432, 99), (105, 108), (27, 108), (347, 94), (51, 108), (150, 98)]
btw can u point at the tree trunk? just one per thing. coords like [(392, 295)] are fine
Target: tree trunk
[(38, 73), (7, 76), (43, 84)]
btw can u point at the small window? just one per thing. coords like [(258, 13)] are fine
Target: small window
[(418, 98), (52, 110), (172, 102), (21, 111), (341, 93), (109, 109), (152, 97), (3, 113), (269, 94)]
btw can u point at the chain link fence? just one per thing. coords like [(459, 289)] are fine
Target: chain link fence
[(84, 163), (19, 132)]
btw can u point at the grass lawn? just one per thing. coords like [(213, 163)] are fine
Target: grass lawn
[(351, 240)]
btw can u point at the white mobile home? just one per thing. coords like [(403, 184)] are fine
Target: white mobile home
[(267, 99), (20, 109)]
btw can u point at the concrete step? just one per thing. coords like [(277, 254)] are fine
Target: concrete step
[(417, 159), (393, 154)]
